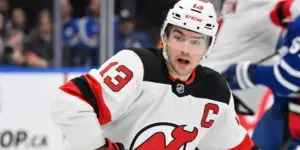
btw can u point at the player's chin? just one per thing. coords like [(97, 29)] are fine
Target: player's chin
[(183, 71)]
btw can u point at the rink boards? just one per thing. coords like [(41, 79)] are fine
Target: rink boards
[(25, 99)]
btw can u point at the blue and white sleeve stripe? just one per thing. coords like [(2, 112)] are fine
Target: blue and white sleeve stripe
[(283, 78), (287, 76), (265, 75)]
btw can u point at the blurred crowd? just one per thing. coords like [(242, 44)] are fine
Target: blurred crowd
[(80, 35), (26, 48), (137, 24)]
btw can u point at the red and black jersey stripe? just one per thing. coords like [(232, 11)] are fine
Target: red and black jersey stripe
[(89, 90), (247, 143), (281, 13)]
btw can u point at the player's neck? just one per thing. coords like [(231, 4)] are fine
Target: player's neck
[(181, 78), (176, 76)]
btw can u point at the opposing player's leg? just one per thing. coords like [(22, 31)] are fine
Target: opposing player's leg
[(294, 145), (294, 123), (271, 131)]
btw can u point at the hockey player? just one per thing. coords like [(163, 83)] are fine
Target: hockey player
[(151, 99), (247, 30), (283, 79)]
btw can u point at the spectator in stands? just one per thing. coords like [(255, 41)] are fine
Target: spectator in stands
[(10, 54), (127, 36), (89, 31), (90, 26), (17, 22), (70, 30), (94, 9), (15, 35), (70, 33), (4, 7), (149, 15), (39, 49)]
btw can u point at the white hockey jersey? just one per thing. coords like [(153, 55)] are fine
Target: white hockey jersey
[(246, 33), (133, 100)]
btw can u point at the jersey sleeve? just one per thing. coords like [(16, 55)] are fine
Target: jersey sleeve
[(284, 12), (228, 133), (97, 98), (283, 77)]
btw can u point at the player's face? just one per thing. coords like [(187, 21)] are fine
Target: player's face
[(185, 49)]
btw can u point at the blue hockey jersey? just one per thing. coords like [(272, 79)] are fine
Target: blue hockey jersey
[(283, 77), (89, 32), (70, 33)]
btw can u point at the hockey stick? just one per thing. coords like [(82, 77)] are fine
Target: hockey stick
[(238, 102), (267, 58)]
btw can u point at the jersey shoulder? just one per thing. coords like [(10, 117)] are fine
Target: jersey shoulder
[(154, 66), (212, 85), (293, 31), (128, 58)]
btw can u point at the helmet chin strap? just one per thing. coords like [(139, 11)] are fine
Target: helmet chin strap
[(167, 60)]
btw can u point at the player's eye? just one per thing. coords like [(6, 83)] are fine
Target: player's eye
[(179, 38), (195, 42)]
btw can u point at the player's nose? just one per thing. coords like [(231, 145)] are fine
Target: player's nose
[(184, 50)]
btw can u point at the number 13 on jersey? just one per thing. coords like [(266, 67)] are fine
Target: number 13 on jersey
[(121, 81)]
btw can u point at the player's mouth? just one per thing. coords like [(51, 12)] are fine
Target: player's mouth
[(183, 62)]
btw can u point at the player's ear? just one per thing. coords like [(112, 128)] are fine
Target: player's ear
[(165, 39)]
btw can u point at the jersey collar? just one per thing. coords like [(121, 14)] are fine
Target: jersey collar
[(189, 81)]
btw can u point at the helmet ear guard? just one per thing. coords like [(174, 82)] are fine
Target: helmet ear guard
[(193, 15)]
